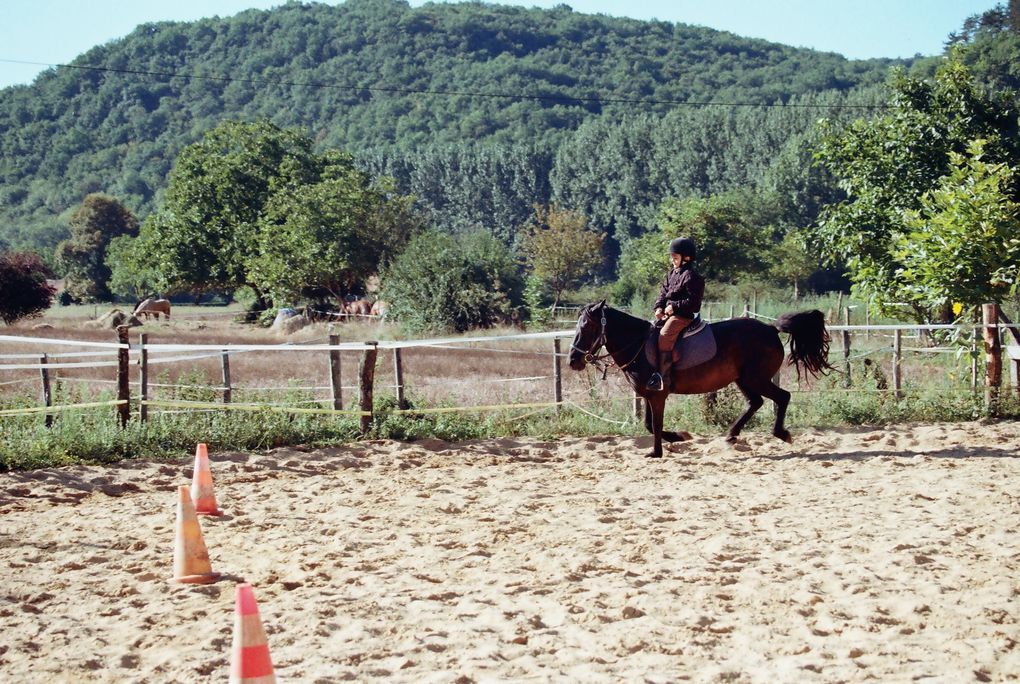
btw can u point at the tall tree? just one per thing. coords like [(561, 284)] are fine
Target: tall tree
[(252, 205), (561, 249), (206, 232), (963, 242), (82, 258), (888, 163)]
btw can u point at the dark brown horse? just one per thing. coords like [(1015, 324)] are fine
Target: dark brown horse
[(748, 353)]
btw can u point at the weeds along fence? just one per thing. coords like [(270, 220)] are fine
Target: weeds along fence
[(448, 375)]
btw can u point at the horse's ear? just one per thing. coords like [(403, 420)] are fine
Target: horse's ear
[(602, 304)]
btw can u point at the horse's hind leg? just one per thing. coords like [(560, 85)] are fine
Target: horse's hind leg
[(754, 402), (782, 399)]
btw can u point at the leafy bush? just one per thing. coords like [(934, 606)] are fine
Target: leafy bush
[(23, 289), (444, 282)]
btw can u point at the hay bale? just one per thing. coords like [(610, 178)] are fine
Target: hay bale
[(113, 319), (291, 325), (281, 316)]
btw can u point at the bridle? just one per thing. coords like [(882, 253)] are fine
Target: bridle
[(592, 356)]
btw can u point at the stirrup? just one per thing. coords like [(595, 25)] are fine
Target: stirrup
[(655, 382)]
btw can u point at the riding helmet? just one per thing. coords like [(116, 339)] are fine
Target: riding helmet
[(684, 246)]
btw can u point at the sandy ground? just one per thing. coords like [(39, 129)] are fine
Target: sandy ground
[(853, 555)]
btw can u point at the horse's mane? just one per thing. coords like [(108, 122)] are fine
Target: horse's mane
[(627, 319)]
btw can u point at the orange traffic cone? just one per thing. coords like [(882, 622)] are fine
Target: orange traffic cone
[(191, 559), (201, 484), (249, 657)]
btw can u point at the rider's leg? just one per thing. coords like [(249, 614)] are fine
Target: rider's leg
[(667, 338)]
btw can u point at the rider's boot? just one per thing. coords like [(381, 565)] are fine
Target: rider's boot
[(660, 379), (665, 368)]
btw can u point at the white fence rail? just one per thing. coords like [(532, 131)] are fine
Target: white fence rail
[(142, 354)]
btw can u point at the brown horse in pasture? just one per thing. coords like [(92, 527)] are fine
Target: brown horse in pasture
[(153, 307), (748, 352)]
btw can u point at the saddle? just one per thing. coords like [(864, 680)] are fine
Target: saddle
[(694, 346)]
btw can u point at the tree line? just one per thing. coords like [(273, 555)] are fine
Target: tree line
[(376, 78)]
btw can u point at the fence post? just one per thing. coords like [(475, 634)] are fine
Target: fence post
[(398, 374), (334, 373), (143, 377), (639, 407), (897, 348), (975, 334), (1014, 372), (47, 395), (366, 383), (731, 311), (847, 381), (993, 356), (225, 364), (557, 375), (123, 377)]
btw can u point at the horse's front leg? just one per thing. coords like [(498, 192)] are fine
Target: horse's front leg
[(667, 435), (656, 407)]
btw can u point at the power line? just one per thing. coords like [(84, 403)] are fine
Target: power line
[(446, 93)]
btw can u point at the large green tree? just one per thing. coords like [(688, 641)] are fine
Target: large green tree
[(81, 258), (886, 165), (327, 238), (207, 231), (963, 242), (253, 205)]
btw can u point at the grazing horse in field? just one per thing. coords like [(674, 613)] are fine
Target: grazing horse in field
[(379, 308), (746, 352), (153, 307)]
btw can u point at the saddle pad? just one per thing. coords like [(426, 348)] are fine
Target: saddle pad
[(696, 348)]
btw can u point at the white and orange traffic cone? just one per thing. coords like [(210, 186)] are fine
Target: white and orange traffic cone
[(249, 656), (202, 485), (191, 558)]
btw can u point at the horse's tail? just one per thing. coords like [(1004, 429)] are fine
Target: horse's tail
[(809, 341)]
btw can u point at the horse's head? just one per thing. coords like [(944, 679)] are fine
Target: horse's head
[(589, 336)]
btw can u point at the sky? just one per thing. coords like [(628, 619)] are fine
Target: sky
[(49, 32)]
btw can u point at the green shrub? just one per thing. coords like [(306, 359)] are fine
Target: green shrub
[(443, 282)]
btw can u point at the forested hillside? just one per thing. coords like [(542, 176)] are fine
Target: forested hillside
[(481, 110)]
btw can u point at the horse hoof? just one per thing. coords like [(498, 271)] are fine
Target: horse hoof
[(731, 438), (784, 435), (652, 454), (685, 436)]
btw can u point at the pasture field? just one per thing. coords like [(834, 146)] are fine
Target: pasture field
[(853, 555)]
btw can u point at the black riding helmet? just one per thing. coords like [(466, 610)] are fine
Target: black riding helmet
[(684, 246)]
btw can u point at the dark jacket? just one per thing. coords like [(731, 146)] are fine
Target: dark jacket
[(683, 288)]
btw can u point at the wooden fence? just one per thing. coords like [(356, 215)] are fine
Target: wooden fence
[(990, 331)]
